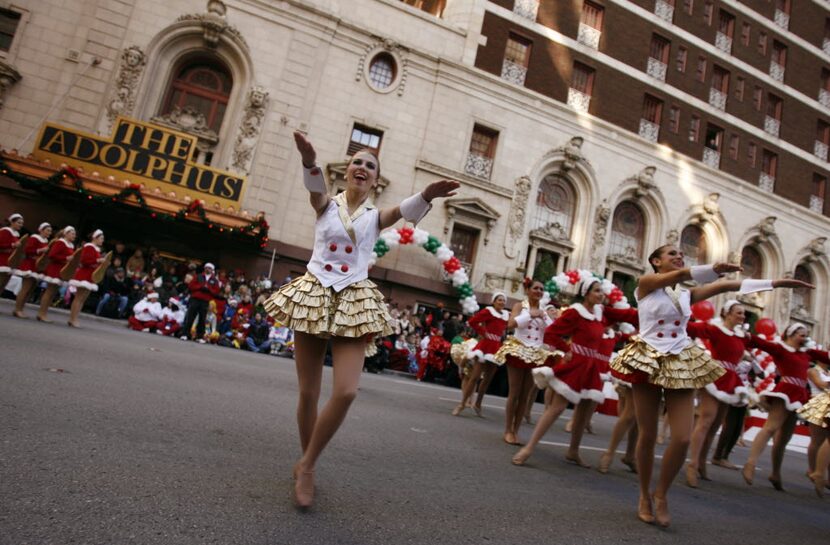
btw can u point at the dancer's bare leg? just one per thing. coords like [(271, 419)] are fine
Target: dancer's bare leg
[(776, 418), (625, 421), (708, 411), (680, 408), (710, 437), (487, 377), (582, 415), (819, 476), (548, 397), (552, 412), (46, 299), (779, 446), (309, 355), (77, 304), (521, 403), (23, 295), (515, 392), (467, 388), (4, 279), (531, 398), (816, 440), (646, 399)]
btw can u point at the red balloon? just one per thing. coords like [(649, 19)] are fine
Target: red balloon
[(766, 326), (703, 311)]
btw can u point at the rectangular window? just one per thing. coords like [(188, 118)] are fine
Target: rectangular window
[(734, 144), (694, 129), (720, 79), (752, 154), (739, 89), (682, 55), (823, 132), (8, 26), (659, 48), (825, 79), (700, 74), (762, 43), (775, 106), (364, 137), (819, 185), (783, 5), (517, 50), (483, 142), (674, 119), (583, 78), (757, 98), (714, 137), (779, 53), (708, 10), (769, 163), (726, 23), (746, 32), (689, 6), (592, 15), (463, 243), (652, 109)]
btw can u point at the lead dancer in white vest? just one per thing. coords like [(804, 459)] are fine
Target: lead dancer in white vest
[(335, 300)]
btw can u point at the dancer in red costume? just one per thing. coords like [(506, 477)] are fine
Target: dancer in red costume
[(727, 342), (522, 352), (792, 360), (83, 282), (433, 354), (9, 240), (36, 246), (59, 252), (490, 324), (576, 377)]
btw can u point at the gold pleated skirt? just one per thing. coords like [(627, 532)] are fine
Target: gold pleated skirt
[(817, 410), (529, 354), (305, 305), (692, 368)]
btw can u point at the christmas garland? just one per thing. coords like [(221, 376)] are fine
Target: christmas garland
[(194, 209), (407, 235)]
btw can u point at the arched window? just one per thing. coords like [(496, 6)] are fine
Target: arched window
[(627, 230), (802, 297), (555, 204), (693, 245), (204, 85), (752, 262)]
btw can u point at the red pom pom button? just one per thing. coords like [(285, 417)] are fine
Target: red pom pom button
[(660, 334), (348, 249), (314, 171), (660, 322), (674, 335), (677, 322), (333, 247), (327, 267), (344, 268)]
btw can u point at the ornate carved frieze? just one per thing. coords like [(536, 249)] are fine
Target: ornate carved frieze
[(250, 129), (214, 24), (122, 100), (816, 249), (8, 77), (766, 229), (644, 180), (598, 238), (629, 258), (516, 218), (573, 153), (190, 121), (553, 232), (673, 237)]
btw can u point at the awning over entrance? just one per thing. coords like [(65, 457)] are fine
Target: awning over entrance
[(78, 185)]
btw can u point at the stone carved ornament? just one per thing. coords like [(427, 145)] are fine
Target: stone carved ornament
[(516, 218), (552, 231), (122, 102), (816, 249), (573, 153), (8, 77), (645, 181), (766, 228), (214, 23), (191, 121), (390, 46), (672, 237), (249, 129), (600, 231)]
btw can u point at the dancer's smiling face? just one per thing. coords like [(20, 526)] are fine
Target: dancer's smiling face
[(667, 258), (363, 170), (594, 295), (535, 291), (498, 303), (735, 316)]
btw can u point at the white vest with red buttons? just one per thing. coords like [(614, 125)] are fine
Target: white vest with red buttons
[(531, 331), (337, 261), (663, 321)]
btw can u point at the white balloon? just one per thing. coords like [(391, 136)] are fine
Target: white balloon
[(420, 237)]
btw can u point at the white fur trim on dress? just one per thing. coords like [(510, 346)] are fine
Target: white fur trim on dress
[(544, 377), (596, 315), (479, 355), (53, 280), (620, 382), (739, 398), (791, 406), (503, 315), (28, 274), (5, 269), (84, 284)]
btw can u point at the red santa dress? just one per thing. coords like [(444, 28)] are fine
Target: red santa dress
[(28, 267), (8, 238), (727, 347), (792, 365), (490, 325), (59, 254)]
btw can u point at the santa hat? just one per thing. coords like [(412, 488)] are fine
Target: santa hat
[(43, 226), (233, 302), (209, 266), (153, 295), (15, 217), (174, 301)]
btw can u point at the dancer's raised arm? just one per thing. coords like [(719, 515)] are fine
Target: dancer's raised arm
[(414, 208), (312, 174)]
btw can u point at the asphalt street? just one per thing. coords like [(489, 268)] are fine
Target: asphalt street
[(110, 436)]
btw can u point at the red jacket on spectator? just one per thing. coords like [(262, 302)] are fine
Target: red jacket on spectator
[(204, 287)]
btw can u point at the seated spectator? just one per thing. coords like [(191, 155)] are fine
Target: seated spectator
[(135, 265), (281, 338), (172, 318), (146, 313), (258, 339), (211, 325), (115, 288)]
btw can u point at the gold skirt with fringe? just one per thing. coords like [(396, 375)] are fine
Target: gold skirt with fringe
[(305, 305), (817, 410), (512, 346), (692, 368)]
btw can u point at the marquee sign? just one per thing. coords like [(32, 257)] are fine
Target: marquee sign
[(143, 153)]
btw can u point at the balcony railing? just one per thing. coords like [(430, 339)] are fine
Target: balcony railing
[(723, 42), (656, 69), (717, 98), (824, 97), (776, 71), (820, 150), (766, 182), (513, 72), (648, 130), (711, 157), (527, 9), (825, 46), (772, 126), (782, 19), (588, 35), (578, 100), (478, 166), (664, 10), (817, 204)]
